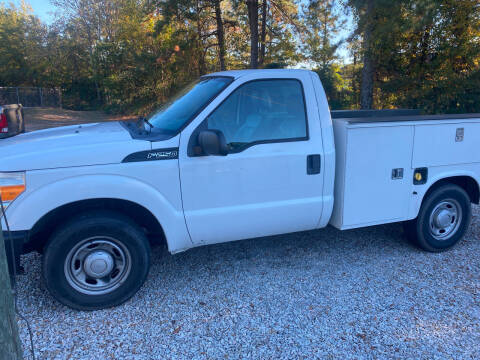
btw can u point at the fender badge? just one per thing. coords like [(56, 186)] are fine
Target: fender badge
[(162, 155), (152, 155)]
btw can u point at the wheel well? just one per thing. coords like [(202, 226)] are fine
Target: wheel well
[(44, 227), (467, 183)]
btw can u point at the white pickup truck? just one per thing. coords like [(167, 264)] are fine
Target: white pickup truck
[(236, 155)]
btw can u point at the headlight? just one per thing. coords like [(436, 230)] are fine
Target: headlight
[(11, 186)]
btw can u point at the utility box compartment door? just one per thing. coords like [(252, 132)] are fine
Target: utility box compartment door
[(446, 144), (378, 175)]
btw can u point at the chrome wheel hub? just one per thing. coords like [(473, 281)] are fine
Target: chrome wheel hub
[(445, 219), (97, 266)]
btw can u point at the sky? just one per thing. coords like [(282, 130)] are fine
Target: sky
[(42, 8)]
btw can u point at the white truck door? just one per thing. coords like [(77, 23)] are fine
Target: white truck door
[(271, 182)]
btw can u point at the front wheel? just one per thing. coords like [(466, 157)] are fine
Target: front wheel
[(443, 219), (97, 260)]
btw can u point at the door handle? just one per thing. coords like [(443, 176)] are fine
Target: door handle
[(313, 164)]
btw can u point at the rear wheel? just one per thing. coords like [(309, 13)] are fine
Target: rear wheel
[(98, 260), (443, 219)]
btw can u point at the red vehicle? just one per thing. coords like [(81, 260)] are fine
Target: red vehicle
[(11, 120)]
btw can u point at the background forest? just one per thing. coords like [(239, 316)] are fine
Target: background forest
[(129, 55)]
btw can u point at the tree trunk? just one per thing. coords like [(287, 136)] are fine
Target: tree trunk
[(220, 35), (368, 71), (325, 39), (10, 345), (366, 90), (252, 6), (201, 60), (93, 61), (97, 89), (263, 33), (355, 78)]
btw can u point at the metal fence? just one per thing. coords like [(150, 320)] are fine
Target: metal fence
[(31, 96)]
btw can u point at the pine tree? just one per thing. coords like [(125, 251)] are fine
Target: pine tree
[(323, 23)]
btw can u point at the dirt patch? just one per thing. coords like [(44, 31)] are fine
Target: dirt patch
[(43, 118)]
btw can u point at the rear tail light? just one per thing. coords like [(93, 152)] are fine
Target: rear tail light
[(3, 124)]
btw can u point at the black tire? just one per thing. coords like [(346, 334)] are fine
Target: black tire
[(425, 232), (92, 236)]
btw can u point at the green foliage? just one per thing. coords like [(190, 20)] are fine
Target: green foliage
[(426, 53), (130, 55), (338, 91), (323, 24), (22, 54)]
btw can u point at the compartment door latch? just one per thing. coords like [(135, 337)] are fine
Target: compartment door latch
[(459, 136), (397, 174)]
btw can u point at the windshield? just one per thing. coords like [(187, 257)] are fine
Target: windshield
[(186, 104)]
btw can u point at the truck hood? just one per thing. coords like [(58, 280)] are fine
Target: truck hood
[(78, 145)]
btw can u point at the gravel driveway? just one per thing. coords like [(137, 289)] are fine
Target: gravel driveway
[(363, 293)]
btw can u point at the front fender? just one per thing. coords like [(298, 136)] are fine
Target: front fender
[(31, 206)]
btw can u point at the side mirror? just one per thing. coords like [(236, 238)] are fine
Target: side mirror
[(213, 142)]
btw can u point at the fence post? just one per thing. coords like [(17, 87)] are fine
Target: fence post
[(18, 96), (60, 97), (10, 345), (41, 97)]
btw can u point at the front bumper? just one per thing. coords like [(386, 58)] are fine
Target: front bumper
[(17, 239)]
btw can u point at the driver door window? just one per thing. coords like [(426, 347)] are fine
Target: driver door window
[(262, 111)]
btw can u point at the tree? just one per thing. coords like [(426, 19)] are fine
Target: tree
[(323, 24), (205, 19), (252, 8), (87, 15), (10, 345), (368, 71), (283, 29), (130, 55), (274, 34), (364, 11), (420, 54), (22, 55), (435, 58), (263, 32), (220, 34)]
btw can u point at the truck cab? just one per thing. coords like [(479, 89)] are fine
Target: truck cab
[(273, 179)]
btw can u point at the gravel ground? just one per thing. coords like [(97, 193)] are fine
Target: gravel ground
[(363, 293)]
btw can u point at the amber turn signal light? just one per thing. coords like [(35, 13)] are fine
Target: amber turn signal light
[(11, 186), (10, 193)]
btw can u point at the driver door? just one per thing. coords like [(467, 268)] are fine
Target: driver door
[(264, 185)]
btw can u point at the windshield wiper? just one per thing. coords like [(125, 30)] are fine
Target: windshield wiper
[(143, 120), (148, 123), (235, 145)]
